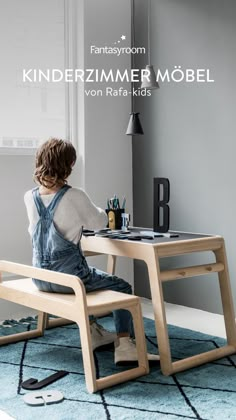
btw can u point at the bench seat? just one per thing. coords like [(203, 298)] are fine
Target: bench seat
[(24, 291), (73, 307)]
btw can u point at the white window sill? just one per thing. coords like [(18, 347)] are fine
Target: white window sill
[(16, 151)]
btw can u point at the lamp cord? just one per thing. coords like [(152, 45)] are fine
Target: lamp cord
[(149, 34), (132, 46)]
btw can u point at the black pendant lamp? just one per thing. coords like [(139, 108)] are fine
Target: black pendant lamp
[(134, 126), (152, 82)]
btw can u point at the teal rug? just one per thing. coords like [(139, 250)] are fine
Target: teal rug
[(206, 393)]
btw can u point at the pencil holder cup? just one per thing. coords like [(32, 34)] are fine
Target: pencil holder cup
[(125, 221), (114, 218)]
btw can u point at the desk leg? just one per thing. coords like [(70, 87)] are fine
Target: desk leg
[(152, 262), (111, 264), (226, 296)]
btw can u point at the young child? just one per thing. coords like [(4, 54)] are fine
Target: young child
[(57, 213)]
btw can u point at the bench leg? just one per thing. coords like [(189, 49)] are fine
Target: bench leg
[(143, 366), (140, 337), (94, 384), (87, 354), (14, 338)]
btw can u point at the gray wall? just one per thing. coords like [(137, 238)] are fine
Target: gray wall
[(189, 133), (108, 151)]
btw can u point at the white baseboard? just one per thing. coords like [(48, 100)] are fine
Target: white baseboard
[(185, 317)]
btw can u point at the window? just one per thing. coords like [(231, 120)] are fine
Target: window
[(32, 36)]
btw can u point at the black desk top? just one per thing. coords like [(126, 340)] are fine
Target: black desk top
[(146, 235), (181, 235)]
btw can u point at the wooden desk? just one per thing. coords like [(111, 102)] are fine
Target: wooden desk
[(151, 251)]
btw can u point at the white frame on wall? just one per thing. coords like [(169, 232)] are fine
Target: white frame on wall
[(71, 91), (74, 58)]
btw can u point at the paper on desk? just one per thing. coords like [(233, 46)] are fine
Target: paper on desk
[(151, 233)]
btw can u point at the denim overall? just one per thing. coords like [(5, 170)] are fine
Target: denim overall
[(54, 252)]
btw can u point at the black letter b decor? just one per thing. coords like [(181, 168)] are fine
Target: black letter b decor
[(161, 211)]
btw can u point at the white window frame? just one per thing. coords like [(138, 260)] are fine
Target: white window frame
[(73, 16)]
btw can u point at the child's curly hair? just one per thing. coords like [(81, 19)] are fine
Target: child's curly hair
[(53, 163)]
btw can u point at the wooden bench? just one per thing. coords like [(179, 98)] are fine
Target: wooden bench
[(77, 308)]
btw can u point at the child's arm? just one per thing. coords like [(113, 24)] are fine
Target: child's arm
[(93, 217), (32, 216)]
